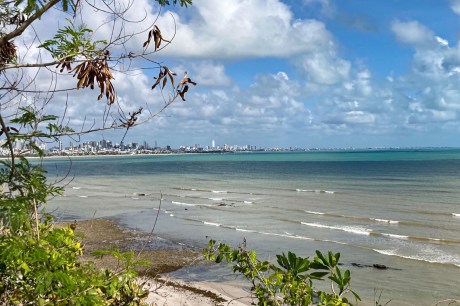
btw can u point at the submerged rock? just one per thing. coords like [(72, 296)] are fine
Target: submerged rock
[(380, 267)]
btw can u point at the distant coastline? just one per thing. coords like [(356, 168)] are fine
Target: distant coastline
[(66, 154)]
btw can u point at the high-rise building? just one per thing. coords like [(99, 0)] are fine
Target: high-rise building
[(213, 144), (103, 143)]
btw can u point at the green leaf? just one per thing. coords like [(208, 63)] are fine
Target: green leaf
[(25, 268), (319, 274)]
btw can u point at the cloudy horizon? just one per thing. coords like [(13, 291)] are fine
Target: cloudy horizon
[(311, 73)]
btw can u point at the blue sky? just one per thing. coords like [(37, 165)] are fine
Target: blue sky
[(307, 73)]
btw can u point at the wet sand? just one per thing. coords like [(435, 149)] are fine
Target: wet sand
[(163, 257)]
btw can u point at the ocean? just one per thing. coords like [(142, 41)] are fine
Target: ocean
[(398, 208)]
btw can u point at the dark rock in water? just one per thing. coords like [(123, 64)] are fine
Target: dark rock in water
[(222, 204), (142, 194), (186, 209), (379, 266), (375, 266)]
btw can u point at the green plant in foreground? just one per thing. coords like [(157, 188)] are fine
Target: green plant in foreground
[(290, 280), (39, 262)]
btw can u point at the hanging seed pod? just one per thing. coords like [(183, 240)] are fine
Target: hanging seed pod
[(96, 72), (7, 53)]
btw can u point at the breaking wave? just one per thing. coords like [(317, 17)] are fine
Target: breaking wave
[(351, 229), (438, 259)]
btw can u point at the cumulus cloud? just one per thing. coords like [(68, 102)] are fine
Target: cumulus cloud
[(325, 68), (246, 28), (431, 87), (413, 33), (209, 73), (271, 105)]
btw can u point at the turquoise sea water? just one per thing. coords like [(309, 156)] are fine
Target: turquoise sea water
[(397, 208)]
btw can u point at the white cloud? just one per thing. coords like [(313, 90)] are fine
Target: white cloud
[(325, 68), (243, 28), (413, 33), (269, 105), (209, 73), (455, 6), (358, 117)]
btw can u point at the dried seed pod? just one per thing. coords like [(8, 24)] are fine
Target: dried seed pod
[(155, 33), (96, 72), (7, 53)]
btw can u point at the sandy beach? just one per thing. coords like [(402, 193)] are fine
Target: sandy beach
[(163, 258)]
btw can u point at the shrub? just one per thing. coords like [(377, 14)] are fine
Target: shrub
[(290, 281)]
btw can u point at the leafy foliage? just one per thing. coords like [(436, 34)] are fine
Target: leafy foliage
[(46, 271), (39, 262), (291, 280), (32, 6), (72, 40)]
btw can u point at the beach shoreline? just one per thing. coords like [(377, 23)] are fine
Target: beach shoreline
[(164, 258)]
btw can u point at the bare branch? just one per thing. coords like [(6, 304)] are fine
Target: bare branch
[(19, 30)]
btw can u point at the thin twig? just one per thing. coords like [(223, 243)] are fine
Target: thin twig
[(10, 147), (153, 228)]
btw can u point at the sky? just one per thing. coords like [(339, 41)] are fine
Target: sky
[(297, 73)]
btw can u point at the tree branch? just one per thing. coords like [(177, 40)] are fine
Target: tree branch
[(19, 30), (10, 146)]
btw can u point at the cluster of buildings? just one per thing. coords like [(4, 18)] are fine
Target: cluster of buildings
[(107, 147)]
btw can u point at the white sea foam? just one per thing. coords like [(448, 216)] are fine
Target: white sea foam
[(301, 237), (188, 204), (385, 221), (134, 198), (182, 203), (171, 215), (314, 212), (333, 241), (350, 229), (247, 202), (82, 196), (244, 230), (456, 215), (215, 199), (395, 236), (211, 223), (386, 252), (275, 234), (442, 259), (76, 188), (315, 191), (218, 191)]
